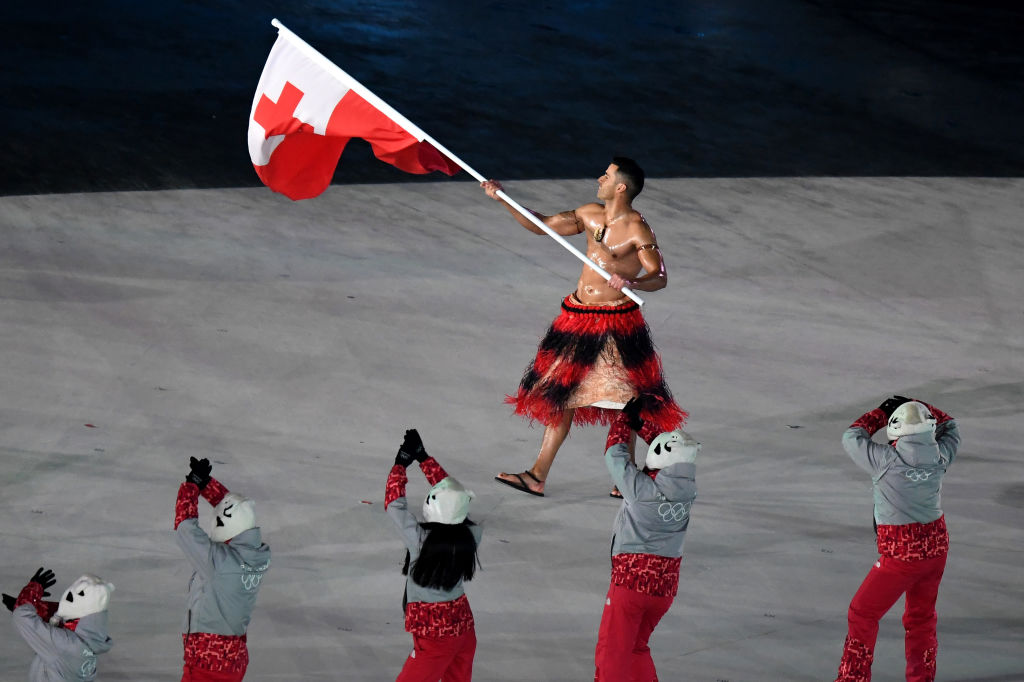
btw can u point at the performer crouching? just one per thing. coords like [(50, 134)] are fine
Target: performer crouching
[(441, 555), (647, 542), (67, 636), (912, 539), (228, 564)]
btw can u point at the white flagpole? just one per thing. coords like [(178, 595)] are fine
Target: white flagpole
[(418, 133)]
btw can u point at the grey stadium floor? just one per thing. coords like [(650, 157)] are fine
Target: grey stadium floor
[(292, 343)]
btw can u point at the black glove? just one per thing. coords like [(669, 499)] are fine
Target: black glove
[(889, 405), (9, 601), (45, 578), (632, 412), (414, 446), (200, 474)]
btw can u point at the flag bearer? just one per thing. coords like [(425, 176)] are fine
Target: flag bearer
[(597, 354)]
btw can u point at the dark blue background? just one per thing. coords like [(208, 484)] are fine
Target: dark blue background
[(130, 95)]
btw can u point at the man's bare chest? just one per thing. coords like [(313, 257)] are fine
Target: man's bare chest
[(611, 241)]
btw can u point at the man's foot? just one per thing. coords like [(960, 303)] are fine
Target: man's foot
[(526, 482), (615, 493)]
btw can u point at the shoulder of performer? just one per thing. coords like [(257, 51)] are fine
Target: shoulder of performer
[(591, 211), (642, 233)]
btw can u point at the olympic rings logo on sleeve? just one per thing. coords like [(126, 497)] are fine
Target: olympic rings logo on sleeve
[(673, 512), (88, 668), (917, 475), (252, 575)]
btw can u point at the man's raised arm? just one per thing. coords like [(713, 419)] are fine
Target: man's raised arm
[(566, 223)]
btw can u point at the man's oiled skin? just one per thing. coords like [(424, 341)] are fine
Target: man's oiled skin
[(624, 233), (627, 247)]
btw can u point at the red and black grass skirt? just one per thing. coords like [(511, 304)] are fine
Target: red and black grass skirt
[(571, 349)]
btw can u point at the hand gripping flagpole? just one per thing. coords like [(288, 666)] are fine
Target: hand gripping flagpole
[(420, 135)]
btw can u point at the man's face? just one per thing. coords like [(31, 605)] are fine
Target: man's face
[(606, 183)]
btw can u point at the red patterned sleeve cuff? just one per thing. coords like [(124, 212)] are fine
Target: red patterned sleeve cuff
[(30, 594), (214, 491), (648, 432), (187, 506), (395, 486), (33, 594), (434, 472), (620, 432), (871, 422), (940, 416)]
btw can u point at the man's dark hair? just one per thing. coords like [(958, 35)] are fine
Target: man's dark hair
[(630, 173)]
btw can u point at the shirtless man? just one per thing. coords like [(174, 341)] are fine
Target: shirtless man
[(597, 354)]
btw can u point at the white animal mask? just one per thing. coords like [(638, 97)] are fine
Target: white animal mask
[(86, 595), (909, 418), (235, 514), (447, 502), (672, 447)]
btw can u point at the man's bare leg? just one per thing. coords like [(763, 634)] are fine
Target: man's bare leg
[(554, 436)]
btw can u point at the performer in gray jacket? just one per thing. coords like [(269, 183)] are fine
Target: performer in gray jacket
[(912, 539), (228, 564), (441, 555), (66, 636), (647, 542)]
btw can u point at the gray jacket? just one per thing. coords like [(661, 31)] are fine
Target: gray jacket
[(654, 512), (63, 654), (223, 589), (907, 476), (413, 534)]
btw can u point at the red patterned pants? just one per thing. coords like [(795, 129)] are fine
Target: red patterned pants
[(449, 659), (888, 580), (214, 658), (192, 674), (629, 618)]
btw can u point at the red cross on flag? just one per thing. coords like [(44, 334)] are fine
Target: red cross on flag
[(305, 111)]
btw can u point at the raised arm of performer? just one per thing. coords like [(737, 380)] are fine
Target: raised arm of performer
[(395, 503), (566, 223), (45, 609)]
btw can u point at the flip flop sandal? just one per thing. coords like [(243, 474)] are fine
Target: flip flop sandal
[(521, 485)]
